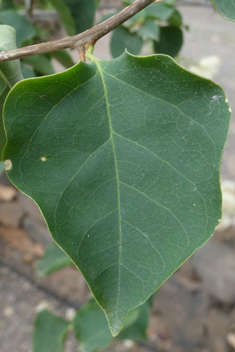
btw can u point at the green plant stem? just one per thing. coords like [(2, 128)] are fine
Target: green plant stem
[(5, 79), (89, 52)]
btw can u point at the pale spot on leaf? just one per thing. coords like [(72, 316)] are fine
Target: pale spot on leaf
[(8, 164)]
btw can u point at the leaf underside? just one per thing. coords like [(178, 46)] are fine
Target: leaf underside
[(123, 159)]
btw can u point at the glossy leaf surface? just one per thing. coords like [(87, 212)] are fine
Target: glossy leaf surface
[(226, 8), (54, 259), (49, 332), (123, 159)]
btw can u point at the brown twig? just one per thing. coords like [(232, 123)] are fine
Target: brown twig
[(80, 41)]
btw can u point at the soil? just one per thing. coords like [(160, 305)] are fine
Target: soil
[(194, 310)]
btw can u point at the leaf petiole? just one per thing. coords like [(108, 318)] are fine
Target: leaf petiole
[(89, 52)]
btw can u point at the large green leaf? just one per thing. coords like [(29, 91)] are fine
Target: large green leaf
[(226, 8), (123, 159), (83, 13), (24, 29), (49, 332), (54, 259), (10, 73)]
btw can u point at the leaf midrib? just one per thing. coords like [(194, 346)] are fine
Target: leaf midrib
[(117, 177)]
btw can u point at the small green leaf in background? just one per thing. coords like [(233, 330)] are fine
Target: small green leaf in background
[(106, 17), (65, 15), (126, 3), (171, 41), (26, 71), (92, 330), (6, 4), (97, 3), (63, 57), (10, 73), (49, 332), (54, 259), (139, 18), (24, 29), (123, 39), (41, 64), (83, 13), (123, 159), (159, 11), (149, 30), (91, 327), (176, 19), (138, 330), (225, 8)]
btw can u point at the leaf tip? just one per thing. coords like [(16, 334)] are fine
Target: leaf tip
[(116, 322)]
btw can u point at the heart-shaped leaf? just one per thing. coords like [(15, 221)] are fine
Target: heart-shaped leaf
[(225, 8), (123, 159)]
